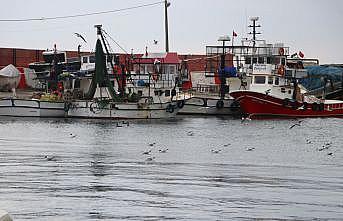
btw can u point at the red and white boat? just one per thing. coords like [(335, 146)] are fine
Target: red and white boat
[(257, 104), (272, 83)]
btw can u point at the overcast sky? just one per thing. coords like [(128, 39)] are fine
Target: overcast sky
[(314, 27)]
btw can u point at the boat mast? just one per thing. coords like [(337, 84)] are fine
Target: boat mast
[(254, 26), (99, 32)]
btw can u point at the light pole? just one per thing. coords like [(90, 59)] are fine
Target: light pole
[(166, 5)]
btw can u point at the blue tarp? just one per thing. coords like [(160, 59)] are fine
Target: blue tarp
[(314, 81), (228, 71)]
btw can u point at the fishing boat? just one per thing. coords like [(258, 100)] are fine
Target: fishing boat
[(27, 104), (210, 88), (274, 89), (144, 87)]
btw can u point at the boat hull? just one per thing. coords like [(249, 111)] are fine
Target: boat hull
[(31, 108), (90, 109), (208, 106), (257, 105)]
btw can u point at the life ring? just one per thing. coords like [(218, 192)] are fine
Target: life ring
[(220, 104), (281, 51), (281, 70), (180, 104), (170, 108)]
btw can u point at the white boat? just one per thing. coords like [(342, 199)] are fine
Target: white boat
[(10, 105), (147, 88), (31, 108)]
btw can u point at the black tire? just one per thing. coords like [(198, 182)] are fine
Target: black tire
[(220, 104), (234, 104), (180, 104), (67, 107), (170, 108)]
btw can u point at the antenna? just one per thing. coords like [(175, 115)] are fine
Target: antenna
[(254, 26)]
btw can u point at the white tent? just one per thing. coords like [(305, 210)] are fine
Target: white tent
[(9, 77)]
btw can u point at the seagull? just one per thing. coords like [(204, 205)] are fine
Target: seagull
[(155, 42), (147, 152), (251, 149), (330, 153), (296, 124), (267, 91), (245, 118), (50, 158), (226, 145), (152, 144), (308, 141), (216, 151), (190, 133), (72, 135), (324, 147), (80, 36), (163, 150), (150, 158)]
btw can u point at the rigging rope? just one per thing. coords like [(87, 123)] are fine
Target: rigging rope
[(81, 15)]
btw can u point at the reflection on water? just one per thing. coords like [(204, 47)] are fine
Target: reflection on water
[(101, 173)]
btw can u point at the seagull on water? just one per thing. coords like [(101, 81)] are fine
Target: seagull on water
[(50, 158), (251, 149), (147, 152), (71, 135), (150, 159), (152, 144), (216, 151), (163, 150)]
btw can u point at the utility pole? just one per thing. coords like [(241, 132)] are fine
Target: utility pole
[(166, 5)]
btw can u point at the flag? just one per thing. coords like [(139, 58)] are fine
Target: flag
[(301, 54), (234, 34)]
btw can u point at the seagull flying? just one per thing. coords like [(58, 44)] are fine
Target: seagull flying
[(80, 36), (155, 42)]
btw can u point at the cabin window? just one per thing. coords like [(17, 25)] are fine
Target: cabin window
[(167, 93), (277, 81), (156, 93), (289, 91), (140, 93), (283, 90), (269, 60), (92, 59), (172, 69), (276, 60), (270, 80), (261, 60), (85, 60), (248, 60), (77, 83), (254, 60), (150, 68), (260, 79)]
